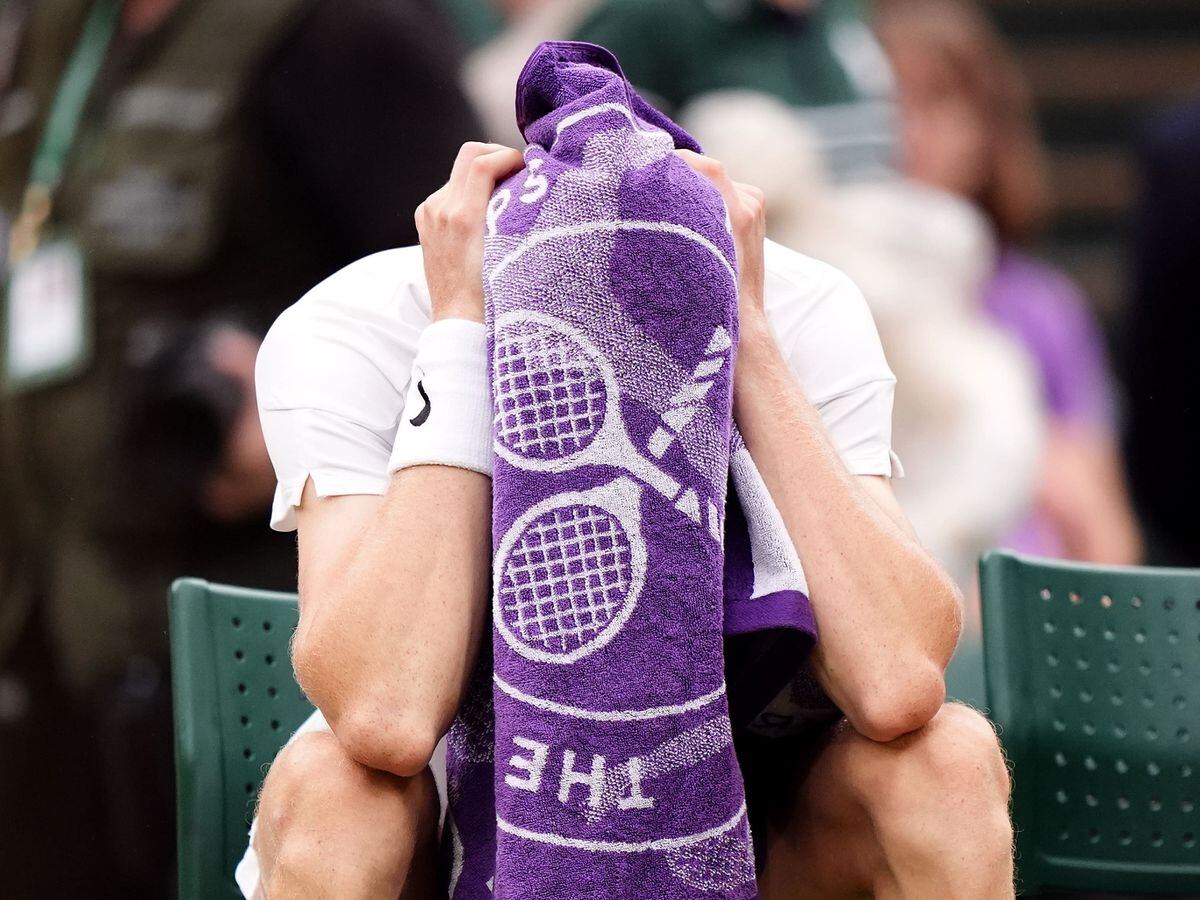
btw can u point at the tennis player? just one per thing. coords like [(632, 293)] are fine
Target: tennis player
[(373, 391)]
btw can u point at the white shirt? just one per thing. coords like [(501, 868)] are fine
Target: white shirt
[(333, 372)]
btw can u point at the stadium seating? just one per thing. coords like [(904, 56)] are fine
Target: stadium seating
[(236, 702), (1093, 677)]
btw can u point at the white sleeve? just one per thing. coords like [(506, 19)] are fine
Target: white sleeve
[(859, 425), (331, 378), (828, 335), (341, 456)]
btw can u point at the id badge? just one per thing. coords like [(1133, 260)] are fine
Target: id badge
[(47, 318)]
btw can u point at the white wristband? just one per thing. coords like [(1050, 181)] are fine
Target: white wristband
[(447, 418)]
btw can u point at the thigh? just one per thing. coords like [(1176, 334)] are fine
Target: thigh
[(819, 840)]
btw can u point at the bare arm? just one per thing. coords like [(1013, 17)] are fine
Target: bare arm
[(392, 605), (393, 589), (888, 616)]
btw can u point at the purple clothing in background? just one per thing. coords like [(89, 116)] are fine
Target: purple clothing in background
[(594, 757), (1049, 316)]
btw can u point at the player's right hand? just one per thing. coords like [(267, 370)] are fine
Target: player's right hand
[(450, 224)]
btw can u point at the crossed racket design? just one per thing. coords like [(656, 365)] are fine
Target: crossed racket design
[(570, 570)]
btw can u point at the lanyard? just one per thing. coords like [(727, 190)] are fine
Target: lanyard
[(62, 125)]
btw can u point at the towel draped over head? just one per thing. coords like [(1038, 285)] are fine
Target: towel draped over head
[(593, 757)]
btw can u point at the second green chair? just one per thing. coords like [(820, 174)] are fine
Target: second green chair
[(1093, 677)]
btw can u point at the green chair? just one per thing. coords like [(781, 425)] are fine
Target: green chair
[(964, 674), (236, 702), (1093, 677)]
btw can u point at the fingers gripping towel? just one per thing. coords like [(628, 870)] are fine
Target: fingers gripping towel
[(599, 762)]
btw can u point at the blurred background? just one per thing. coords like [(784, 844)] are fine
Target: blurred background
[(1013, 184)]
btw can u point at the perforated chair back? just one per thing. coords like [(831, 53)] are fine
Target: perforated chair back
[(1093, 675), (236, 702)]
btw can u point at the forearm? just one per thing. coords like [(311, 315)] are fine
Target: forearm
[(887, 616), (394, 590), (390, 630)]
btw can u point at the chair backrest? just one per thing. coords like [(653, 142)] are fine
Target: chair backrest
[(964, 674), (236, 702), (1093, 676)]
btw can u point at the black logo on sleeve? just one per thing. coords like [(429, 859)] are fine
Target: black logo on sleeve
[(419, 419)]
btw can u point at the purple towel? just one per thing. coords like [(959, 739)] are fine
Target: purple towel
[(599, 762)]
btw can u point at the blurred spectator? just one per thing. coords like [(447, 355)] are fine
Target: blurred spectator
[(967, 419), (228, 155), (477, 21), (490, 74), (1163, 427), (187, 425), (817, 56), (968, 129)]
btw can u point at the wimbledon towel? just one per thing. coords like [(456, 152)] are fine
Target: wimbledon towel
[(594, 755)]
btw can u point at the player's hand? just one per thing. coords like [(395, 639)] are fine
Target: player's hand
[(450, 224), (748, 216)]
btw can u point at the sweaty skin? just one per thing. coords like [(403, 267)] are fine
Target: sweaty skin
[(909, 799)]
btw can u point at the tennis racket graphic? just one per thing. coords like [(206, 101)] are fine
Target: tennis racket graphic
[(569, 571), (557, 403)]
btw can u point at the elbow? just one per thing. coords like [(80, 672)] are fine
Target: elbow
[(308, 665), (941, 603), (900, 691), (955, 604), (902, 704), (391, 733), (383, 738)]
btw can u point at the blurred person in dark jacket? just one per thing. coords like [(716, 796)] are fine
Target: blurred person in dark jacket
[(817, 56), (161, 160), (968, 128), (1162, 431)]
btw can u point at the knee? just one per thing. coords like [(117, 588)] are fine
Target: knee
[(954, 768), (316, 755), (958, 751), (319, 807), (314, 780), (310, 768)]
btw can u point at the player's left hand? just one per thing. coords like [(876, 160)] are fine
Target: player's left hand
[(748, 216)]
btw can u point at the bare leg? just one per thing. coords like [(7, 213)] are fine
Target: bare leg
[(923, 816), (330, 827)]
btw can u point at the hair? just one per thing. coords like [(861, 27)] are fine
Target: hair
[(955, 40)]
